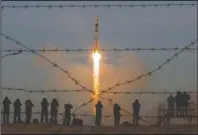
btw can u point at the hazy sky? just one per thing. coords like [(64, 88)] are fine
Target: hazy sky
[(118, 28)]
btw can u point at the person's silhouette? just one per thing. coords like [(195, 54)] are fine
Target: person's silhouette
[(17, 110), (98, 107), (6, 110), (28, 110), (67, 118), (54, 110), (116, 110), (178, 99), (136, 110), (44, 110)]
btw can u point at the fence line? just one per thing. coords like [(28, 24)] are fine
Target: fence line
[(62, 6), (100, 50), (104, 116), (79, 91)]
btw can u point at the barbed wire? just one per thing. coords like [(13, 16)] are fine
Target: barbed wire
[(104, 116), (101, 50), (14, 53), (61, 6), (54, 65), (141, 76), (68, 91)]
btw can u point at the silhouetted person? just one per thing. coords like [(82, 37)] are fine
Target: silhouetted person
[(44, 110), (170, 101), (28, 110), (6, 110), (185, 99), (54, 110), (98, 107), (67, 118), (178, 99), (116, 110), (17, 110), (136, 110)]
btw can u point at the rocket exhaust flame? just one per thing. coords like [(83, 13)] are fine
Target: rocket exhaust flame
[(96, 68)]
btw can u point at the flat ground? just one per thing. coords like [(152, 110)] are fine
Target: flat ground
[(124, 129)]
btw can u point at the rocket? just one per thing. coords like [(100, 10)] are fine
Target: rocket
[(96, 48)]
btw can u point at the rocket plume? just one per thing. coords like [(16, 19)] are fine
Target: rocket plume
[(96, 68)]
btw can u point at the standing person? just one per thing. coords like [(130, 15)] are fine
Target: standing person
[(44, 110), (6, 110), (17, 110), (28, 110), (67, 118), (99, 107), (116, 110), (178, 99), (136, 110), (186, 97), (170, 101), (54, 110)]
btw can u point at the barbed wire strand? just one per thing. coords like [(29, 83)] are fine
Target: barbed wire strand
[(79, 91), (141, 76), (101, 50), (14, 53), (61, 6), (104, 116)]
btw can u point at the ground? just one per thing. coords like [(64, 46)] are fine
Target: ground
[(125, 129)]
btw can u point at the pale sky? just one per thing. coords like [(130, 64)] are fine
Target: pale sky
[(118, 28)]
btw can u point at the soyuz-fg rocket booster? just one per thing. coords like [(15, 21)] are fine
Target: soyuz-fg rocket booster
[(96, 34)]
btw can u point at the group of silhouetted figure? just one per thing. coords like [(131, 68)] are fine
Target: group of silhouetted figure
[(180, 101), (117, 114), (54, 111), (28, 111)]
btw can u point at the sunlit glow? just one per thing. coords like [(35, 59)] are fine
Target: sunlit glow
[(96, 71)]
